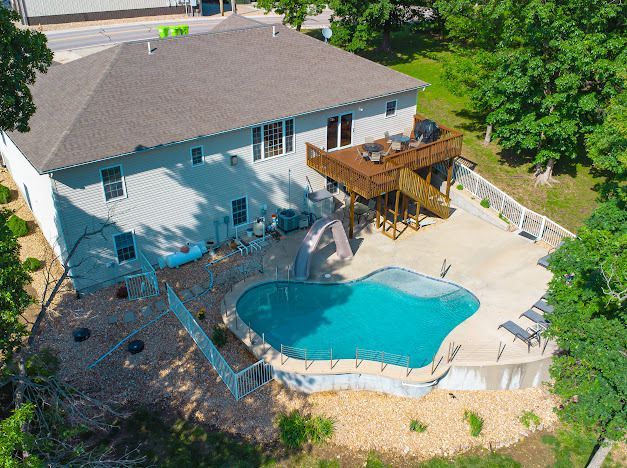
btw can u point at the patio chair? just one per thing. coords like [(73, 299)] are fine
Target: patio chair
[(387, 137), (367, 210), (528, 335), (536, 318), (375, 157), (543, 306), (408, 131), (417, 143), (396, 146)]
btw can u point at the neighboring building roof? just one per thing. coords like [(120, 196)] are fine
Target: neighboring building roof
[(122, 99)]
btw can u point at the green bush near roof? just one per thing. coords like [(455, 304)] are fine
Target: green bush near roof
[(5, 194), (32, 264), (17, 226)]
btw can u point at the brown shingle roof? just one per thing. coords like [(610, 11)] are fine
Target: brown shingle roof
[(122, 100)]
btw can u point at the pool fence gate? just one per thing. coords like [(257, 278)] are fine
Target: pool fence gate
[(534, 224), (144, 284), (239, 383)]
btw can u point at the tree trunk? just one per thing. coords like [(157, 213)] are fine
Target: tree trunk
[(545, 177), (298, 26), (222, 7), (386, 43), (488, 135), (600, 455), (234, 6)]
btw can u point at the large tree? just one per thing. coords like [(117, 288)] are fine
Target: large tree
[(357, 23), (23, 53), (589, 290), (294, 12), (550, 68)]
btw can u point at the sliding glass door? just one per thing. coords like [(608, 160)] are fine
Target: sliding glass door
[(339, 131)]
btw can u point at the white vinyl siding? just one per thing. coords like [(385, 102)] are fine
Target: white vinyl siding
[(273, 139), (171, 203), (37, 190)]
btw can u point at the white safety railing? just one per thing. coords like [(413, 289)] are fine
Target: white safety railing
[(239, 383), (144, 284), (526, 220)]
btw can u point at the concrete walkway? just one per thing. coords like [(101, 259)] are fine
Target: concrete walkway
[(499, 267)]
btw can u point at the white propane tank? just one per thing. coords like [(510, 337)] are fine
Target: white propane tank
[(259, 227)]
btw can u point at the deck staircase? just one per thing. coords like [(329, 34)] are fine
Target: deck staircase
[(425, 194)]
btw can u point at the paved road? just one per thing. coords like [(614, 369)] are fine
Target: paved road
[(72, 39)]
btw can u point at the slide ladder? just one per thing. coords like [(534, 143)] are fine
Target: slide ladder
[(302, 262)]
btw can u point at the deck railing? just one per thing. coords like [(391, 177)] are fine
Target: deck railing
[(386, 178)]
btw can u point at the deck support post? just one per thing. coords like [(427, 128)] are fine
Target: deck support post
[(378, 211), (449, 175), (429, 173), (351, 220)]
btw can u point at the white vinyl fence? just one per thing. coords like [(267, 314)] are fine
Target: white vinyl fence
[(144, 284), (526, 220), (239, 383)]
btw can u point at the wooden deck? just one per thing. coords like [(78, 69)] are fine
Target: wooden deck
[(370, 179)]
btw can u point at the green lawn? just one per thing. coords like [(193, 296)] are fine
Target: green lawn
[(568, 203)]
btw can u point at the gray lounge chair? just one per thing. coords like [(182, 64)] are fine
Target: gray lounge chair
[(543, 306), (536, 318), (528, 336)]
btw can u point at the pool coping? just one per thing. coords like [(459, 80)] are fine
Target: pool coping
[(262, 350)]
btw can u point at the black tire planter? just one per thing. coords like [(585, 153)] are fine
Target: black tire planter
[(81, 334), (136, 346)]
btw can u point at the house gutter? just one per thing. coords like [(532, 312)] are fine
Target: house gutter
[(187, 140)]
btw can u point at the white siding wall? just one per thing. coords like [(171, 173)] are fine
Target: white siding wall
[(65, 7), (169, 202), (39, 190)]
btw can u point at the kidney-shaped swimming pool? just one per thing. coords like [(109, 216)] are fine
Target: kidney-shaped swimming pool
[(392, 310)]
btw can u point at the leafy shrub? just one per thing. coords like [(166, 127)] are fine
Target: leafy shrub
[(32, 264), (297, 429), (219, 336), (202, 313), (474, 421), (5, 194), (460, 187), (319, 429), (122, 292), (17, 226), (374, 461), (530, 419), (417, 426), (485, 203)]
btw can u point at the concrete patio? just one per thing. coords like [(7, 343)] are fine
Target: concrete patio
[(498, 266)]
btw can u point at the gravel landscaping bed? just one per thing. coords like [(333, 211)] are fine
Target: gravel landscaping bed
[(172, 376)]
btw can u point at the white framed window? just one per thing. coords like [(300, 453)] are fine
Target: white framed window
[(332, 185), (239, 211), (197, 155), (112, 182), (390, 108), (273, 139), (124, 245)]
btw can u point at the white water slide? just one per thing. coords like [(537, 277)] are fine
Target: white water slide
[(312, 239)]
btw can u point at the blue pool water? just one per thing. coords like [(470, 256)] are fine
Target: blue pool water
[(392, 310)]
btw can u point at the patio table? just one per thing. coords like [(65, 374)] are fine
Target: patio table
[(400, 138), (372, 147)]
